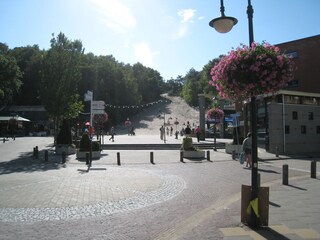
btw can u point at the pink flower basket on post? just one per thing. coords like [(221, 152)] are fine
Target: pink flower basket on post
[(248, 72), (215, 113)]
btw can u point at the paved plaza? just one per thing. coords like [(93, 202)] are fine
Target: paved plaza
[(138, 200)]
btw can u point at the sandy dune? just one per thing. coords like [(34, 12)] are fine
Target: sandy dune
[(149, 121)]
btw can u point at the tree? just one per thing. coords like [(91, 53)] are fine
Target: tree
[(191, 87), (59, 78), (174, 86), (149, 82), (10, 75), (29, 61)]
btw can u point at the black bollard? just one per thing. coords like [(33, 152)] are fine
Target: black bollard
[(63, 157), (181, 156), (4, 140), (87, 158), (277, 152), (314, 169), (285, 174), (46, 155), (34, 152), (37, 152), (208, 155), (233, 155), (151, 158), (118, 159)]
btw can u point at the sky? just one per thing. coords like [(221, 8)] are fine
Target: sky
[(170, 36)]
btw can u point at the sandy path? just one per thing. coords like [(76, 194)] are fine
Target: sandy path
[(148, 121)]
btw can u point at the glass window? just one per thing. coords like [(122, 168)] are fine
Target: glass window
[(292, 99), (295, 115), (318, 129), (303, 129), (310, 115), (287, 129), (293, 54), (309, 100)]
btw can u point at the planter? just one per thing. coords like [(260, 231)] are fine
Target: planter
[(60, 148), (194, 154), (231, 147), (82, 155)]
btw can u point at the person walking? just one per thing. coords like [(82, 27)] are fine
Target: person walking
[(198, 133), (162, 132), (112, 134), (247, 149), (187, 130)]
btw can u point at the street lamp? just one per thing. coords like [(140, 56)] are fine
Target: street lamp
[(224, 24)]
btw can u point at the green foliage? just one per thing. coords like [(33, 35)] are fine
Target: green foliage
[(148, 81), (29, 61), (187, 144), (191, 87), (96, 146), (85, 143), (60, 76), (64, 136), (174, 86), (10, 76)]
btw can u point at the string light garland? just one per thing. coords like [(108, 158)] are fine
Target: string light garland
[(137, 106)]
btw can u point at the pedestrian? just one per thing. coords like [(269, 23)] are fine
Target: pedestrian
[(247, 149), (162, 132), (187, 131), (171, 131), (112, 134), (198, 133), (167, 131)]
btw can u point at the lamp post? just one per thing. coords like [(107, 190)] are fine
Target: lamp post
[(224, 24), (215, 101)]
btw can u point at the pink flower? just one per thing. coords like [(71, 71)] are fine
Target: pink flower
[(247, 72)]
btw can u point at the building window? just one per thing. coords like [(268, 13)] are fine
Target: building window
[(295, 115), (287, 129), (293, 54), (310, 115), (309, 100), (303, 129), (318, 129)]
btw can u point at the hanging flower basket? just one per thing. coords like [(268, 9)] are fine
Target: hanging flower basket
[(248, 72), (215, 113)]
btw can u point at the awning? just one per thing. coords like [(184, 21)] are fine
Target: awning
[(19, 119)]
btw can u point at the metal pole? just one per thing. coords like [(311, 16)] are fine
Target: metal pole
[(254, 153), (164, 125), (214, 133)]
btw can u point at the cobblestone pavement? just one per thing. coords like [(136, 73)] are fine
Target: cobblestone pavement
[(139, 200)]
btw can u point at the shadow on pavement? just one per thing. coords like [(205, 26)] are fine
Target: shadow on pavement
[(26, 162), (270, 234), (299, 188), (274, 204), (267, 171)]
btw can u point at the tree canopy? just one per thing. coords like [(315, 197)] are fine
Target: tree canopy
[(10, 75), (57, 78)]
